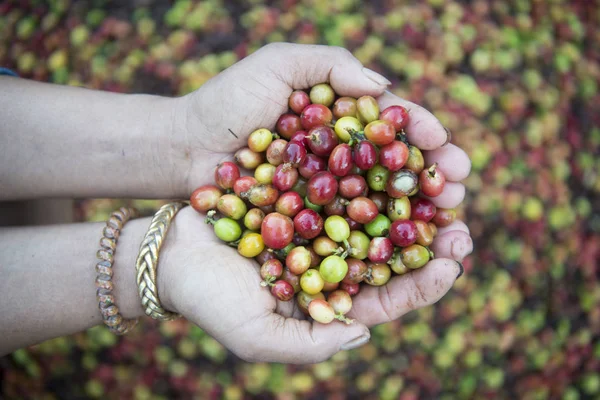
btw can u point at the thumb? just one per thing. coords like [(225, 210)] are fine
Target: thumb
[(303, 66), (293, 341)]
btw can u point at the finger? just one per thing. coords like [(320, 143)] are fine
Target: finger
[(455, 245), (275, 338), (457, 225), (417, 289), (452, 195), (423, 129), (303, 66), (452, 160)]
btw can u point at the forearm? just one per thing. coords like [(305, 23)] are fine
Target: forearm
[(60, 141), (47, 279)]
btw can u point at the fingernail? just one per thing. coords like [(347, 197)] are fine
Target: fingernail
[(355, 343), (462, 269), (448, 136), (375, 77)]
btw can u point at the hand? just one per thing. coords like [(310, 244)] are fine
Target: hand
[(211, 285)]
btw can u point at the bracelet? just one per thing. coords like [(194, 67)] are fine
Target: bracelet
[(104, 268), (147, 262)]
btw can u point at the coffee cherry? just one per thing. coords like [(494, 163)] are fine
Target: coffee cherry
[(315, 115), (226, 174), (380, 132), (344, 107), (336, 207), (298, 260), (293, 154), (359, 244), (253, 219), (259, 140), (345, 127), (322, 94), (415, 161), (311, 165), (365, 155), (380, 199), (205, 198), (377, 178), (380, 250), (265, 256), (308, 224), (243, 184), (351, 288), (333, 269), (247, 158), (264, 173), (422, 209), (397, 265), (433, 227), (362, 210), (285, 177), (397, 116), (321, 311), (403, 232), (287, 125), (424, 233), (401, 183), (337, 228), (315, 259), (322, 188), (289, 204), (444, 217), (432, 181), (399, 208), (415, 256), (303, 300), (354, 226), (311, 281), (322, 140), (340, 161), (227, 229), (357, 270), (367, 109), (282, 290), (393, 156), (271, 270), (351, 186), (298, 101), (380, 226), (340, 301), (300, 137), (277, 230), (232, 206), (275, 152), (292, 279), (330, 287), (378, 274), (311, 206), (251, 245), (261, 195), (300, 187), (324, 246)]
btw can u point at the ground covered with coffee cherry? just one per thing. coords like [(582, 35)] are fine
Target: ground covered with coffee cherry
[(516, 81)]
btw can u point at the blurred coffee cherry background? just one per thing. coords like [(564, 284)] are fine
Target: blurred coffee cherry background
[(516, 81)]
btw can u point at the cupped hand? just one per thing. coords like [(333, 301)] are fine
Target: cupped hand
[(214, 287)]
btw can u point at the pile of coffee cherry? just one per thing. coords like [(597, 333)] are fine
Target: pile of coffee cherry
[(338, 197)]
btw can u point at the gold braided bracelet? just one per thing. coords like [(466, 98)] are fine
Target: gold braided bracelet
[(104, 268), (147, 262)]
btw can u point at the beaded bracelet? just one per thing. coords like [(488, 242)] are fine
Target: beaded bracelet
[(147, 262), (104, 268)]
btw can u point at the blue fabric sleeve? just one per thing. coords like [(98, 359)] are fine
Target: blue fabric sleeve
[(6, 71)]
